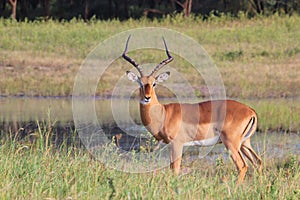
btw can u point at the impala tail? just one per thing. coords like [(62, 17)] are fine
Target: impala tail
[(250, 129)]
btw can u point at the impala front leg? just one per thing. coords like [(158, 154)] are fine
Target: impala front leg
[(175, 156)]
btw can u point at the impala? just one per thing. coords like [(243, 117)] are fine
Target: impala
[(206, 123)]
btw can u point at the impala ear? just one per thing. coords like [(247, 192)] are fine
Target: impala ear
[(132, 76), (162, 77)]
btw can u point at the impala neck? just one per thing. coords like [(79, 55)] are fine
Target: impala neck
[(152, 115)]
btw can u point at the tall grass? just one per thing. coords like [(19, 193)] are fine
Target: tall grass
[(277, 114), (34, 168)]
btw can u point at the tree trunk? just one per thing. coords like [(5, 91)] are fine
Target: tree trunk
[(86, 10), (186, 6), (189, 9), (47, 8), (13, 4), (257, 5)]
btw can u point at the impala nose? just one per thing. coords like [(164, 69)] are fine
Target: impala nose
[(147, 98)]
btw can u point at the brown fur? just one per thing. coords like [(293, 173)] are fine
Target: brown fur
[(179, 123)]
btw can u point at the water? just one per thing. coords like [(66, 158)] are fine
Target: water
[(19, 109), (16, 113), (31, 109)]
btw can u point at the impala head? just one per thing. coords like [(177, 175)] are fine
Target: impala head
[(147, 83)]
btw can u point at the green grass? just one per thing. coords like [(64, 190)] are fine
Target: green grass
[(277, 114), (42, 58), (34, 168)]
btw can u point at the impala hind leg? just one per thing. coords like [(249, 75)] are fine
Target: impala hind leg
[(237, 157), (240, 163), (247, 150)]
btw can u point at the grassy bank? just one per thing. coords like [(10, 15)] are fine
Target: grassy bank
[(34, 168), (257, 57), (277, 114)]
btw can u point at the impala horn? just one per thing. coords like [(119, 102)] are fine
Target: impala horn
[(131, 61), (164, 62)]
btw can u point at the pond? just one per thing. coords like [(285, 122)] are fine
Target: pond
[(25, 113)]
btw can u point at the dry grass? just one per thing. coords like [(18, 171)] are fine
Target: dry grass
[(257, 57), (279, 78)]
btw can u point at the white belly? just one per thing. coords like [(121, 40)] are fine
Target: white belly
[(207, 142)]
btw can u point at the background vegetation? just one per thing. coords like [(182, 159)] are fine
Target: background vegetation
[(125, 9), (40, 58)]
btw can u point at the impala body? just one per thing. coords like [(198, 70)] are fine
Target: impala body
[(204, 124)]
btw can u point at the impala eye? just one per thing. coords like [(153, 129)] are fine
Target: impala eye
[(154, 84)]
